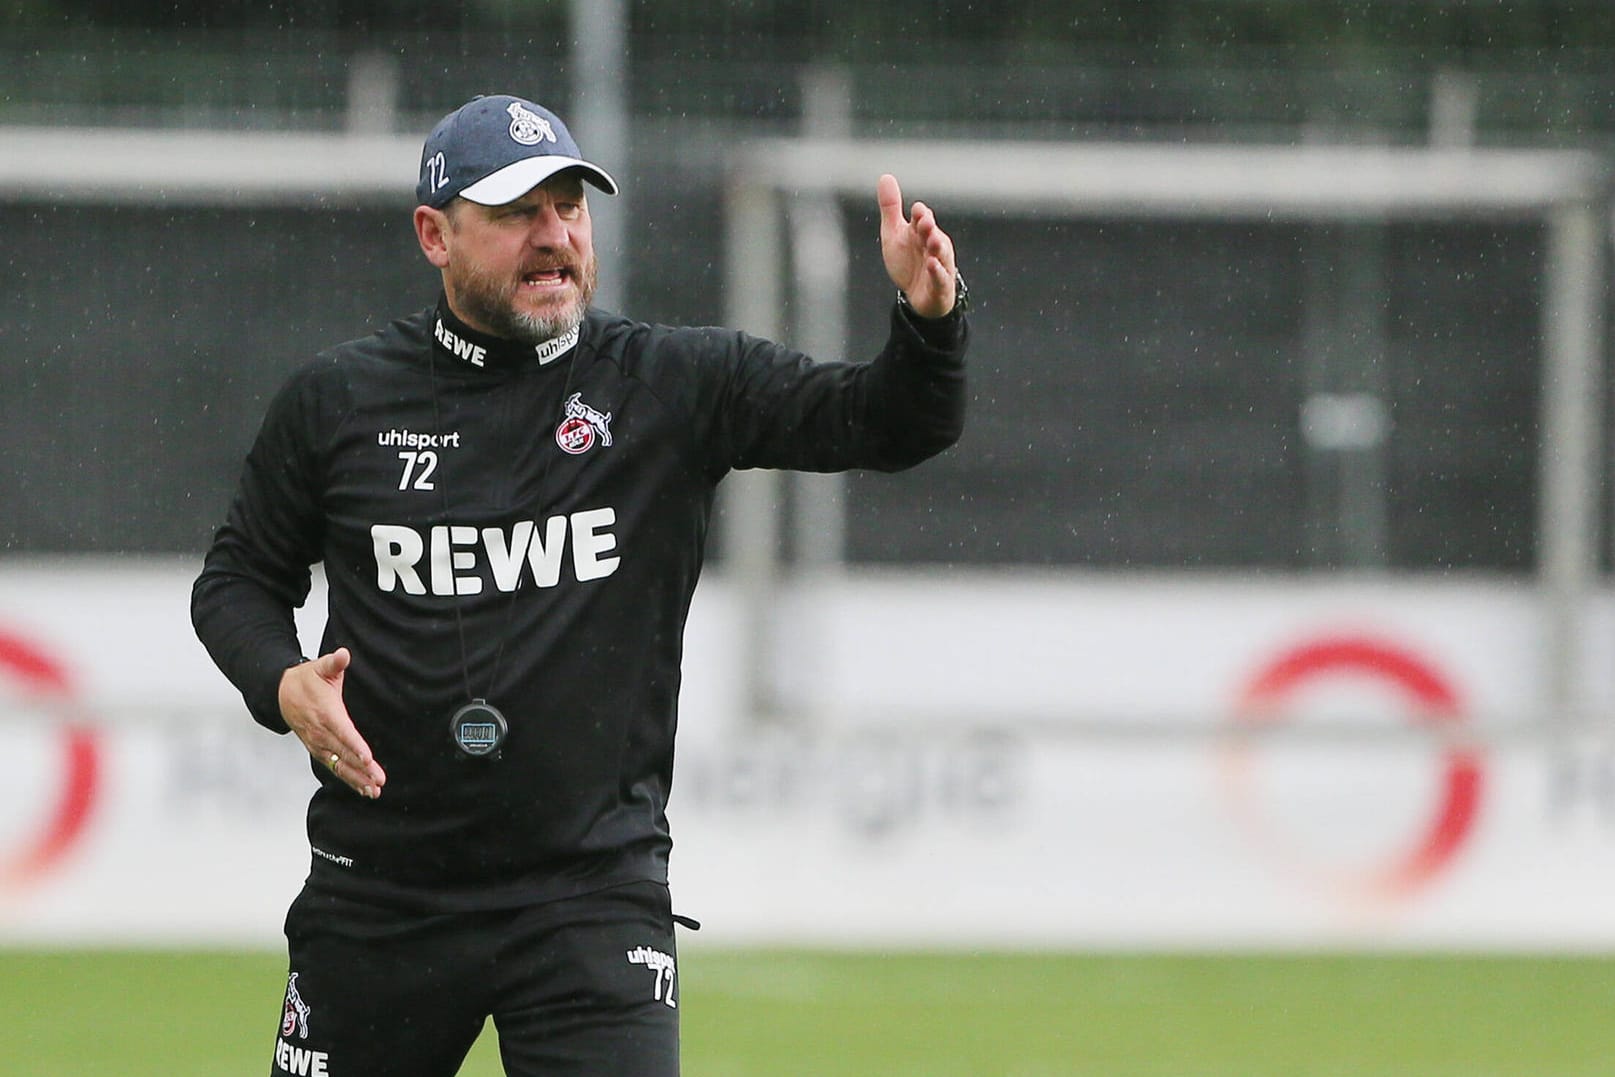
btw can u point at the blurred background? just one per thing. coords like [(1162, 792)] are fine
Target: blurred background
[(1263, 607), (1193, 345)]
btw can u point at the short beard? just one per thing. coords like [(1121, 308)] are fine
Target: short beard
[(491, 303)]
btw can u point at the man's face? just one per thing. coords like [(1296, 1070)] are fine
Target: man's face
[(524, 270)]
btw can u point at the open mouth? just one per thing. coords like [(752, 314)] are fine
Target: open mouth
[(550, 277)]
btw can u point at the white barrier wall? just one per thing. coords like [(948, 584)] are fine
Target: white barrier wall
[(1051, 761)]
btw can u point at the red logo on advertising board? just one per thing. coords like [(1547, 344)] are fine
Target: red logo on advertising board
[(37, 677), (1435, 839)]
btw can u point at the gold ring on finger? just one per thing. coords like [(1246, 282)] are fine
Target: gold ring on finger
[(333, 761)]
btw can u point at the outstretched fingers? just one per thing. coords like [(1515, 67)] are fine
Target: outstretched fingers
[(344, 752), (919, 255), (311, 702)]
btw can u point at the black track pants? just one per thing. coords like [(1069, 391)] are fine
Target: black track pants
[(585, 987)]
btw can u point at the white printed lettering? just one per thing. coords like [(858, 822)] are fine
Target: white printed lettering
[(409, 439), (301, 1061), (446, 561), (453, 564), (398, 550), (459, 347), (422, 476), (343, 861), (505, 559), (544, 554), (663, 966), (589, 542)]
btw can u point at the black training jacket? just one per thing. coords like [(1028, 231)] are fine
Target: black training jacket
[(530, 532)]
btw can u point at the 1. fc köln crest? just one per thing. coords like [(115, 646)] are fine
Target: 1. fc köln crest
[(582, 427), (295, 1017)]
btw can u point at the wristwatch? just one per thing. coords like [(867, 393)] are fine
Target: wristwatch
[(961, 297)]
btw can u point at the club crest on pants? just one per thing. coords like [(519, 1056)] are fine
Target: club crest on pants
[(295, 1016)]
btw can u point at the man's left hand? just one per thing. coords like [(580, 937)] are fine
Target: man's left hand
[(917, 252)]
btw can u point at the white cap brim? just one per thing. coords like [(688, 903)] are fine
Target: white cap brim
[(515, 180)]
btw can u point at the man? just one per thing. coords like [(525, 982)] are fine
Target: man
[(510, 493)]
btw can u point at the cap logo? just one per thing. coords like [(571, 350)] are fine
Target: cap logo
[(527, 126)]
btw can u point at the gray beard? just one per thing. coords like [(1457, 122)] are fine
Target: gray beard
[(534, 328), (491, 305)]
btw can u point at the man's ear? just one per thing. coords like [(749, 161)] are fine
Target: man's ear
[(431, 230)]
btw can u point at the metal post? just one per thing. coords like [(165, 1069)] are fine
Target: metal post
[(819, 272), (819, 264), (373, 88), (600, 101), (1454, 108), (1568, 514), (751, 499)]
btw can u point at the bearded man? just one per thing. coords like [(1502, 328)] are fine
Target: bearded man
[(510, 493)]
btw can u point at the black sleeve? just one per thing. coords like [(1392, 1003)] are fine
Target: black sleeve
[(780, 409), (257, 570)]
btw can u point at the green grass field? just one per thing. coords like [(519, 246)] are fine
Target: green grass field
[(778, 1014)]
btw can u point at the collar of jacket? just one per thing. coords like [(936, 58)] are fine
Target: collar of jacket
[(458, 343)]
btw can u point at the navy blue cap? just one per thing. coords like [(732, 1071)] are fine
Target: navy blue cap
[(493, 150)]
